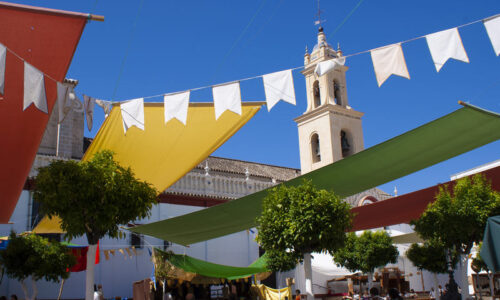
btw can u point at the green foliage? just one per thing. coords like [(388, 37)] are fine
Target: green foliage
[(430, 256), (366, 252), (35, 256), (299, 220), (93, 197), (458, 220), (477, 263)]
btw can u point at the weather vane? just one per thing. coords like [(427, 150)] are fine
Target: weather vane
[(319, 21)]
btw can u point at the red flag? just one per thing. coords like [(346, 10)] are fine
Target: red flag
[(81, 258), (47, 40)]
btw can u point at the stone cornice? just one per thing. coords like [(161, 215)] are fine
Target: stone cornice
[(329, 109)]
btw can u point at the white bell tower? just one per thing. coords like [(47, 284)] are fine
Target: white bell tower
[(329, 129)]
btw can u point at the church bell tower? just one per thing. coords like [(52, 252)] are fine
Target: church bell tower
[(329, 129)]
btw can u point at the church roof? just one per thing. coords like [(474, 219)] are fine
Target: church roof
[(236, 166)]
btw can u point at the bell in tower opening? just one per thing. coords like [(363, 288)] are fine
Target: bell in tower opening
[(344, 144)]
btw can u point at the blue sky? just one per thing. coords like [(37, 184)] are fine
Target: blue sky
[(179, 45)]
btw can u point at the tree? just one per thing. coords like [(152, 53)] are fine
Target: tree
[(37, 257), (478, 265), (366, 252), (430, 256), (296, 221), (458, 219), (92, 198)]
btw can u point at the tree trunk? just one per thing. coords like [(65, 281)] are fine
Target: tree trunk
[(89, 279), (25, 290), (370, 281), (308, 275), (464, 264), (422, 279), (61, 289), (35, 290)]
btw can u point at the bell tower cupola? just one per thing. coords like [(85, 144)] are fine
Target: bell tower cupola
[(329, 129)]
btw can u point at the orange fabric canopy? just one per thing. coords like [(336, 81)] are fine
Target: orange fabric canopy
[(407, 207), (47, 40)]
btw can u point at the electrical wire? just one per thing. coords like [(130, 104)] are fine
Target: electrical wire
[(131, 38), (346, 18), (217, 69)]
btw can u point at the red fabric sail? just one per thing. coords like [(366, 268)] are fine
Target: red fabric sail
[(47, 40), (407, 207)]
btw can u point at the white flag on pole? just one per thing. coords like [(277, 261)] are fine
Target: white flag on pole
[(493, 28), (227, 97), (389, 60), (176, 106), (279, 86), (34, 88), (327, 66), (133, 114), (444, 45)]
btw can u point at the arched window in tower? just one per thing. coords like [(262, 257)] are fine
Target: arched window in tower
[(337, 93), (316, 94), (315, 150), (345, 144)]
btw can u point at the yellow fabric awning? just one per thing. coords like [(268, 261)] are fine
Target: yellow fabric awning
[(48, 225), (163, 153)]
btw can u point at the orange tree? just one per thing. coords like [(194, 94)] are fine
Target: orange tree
[(92, 198)]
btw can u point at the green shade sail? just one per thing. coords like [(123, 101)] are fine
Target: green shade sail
[(458, 132), (490, 251), (208, 269)]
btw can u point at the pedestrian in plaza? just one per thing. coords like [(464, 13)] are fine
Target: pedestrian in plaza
[(13, 297), (374, 294), (394, 294), (297, 294)]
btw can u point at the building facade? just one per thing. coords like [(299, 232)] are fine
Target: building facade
[(329, 130)]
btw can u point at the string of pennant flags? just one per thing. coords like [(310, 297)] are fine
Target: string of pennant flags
[(387, 60)]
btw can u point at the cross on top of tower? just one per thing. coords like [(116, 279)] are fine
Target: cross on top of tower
[(319, 21)]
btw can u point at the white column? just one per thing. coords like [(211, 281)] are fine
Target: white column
[(308, 275)]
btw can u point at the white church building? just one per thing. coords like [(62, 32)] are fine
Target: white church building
[(329, 130)]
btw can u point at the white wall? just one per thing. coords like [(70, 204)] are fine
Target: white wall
[(118, 273)]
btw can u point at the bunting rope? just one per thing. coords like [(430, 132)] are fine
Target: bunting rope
[(259, 76), (301, 67)]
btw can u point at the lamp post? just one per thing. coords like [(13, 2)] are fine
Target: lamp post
[(452, 289)]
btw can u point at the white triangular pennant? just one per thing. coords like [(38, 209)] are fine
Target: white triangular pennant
[(34, 88), (327, 66), (63, 102), (389, 60), (88, 106), (105, 105), (444, 45), (3, 56), (493, 28), (227, 97), (279, 86), (133, 114), (176, 106)]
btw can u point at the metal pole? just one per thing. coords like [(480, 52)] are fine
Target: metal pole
[(58, 138)]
